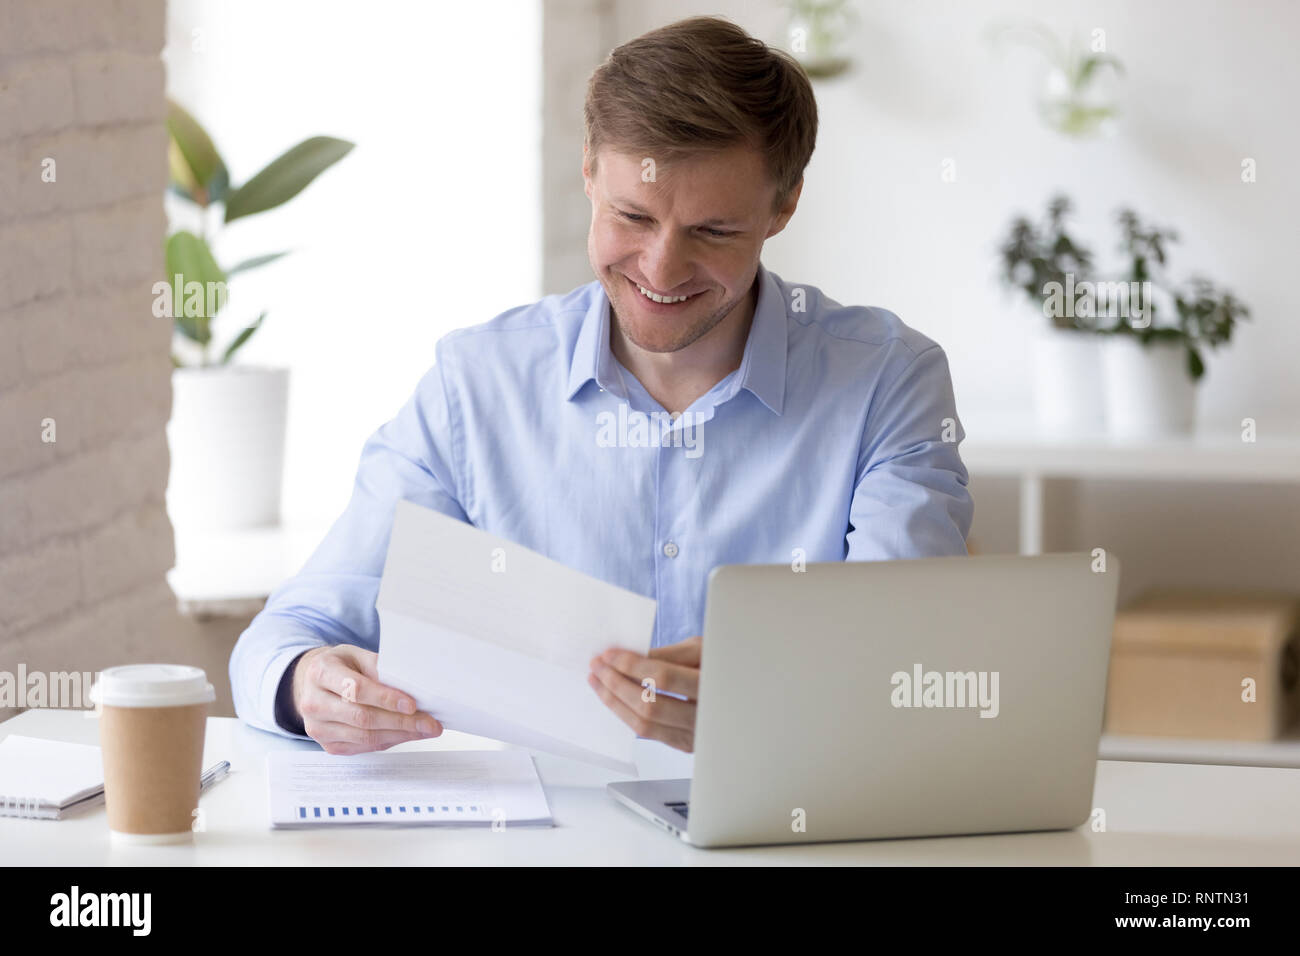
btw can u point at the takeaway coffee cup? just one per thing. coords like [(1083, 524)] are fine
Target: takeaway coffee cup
[(152, 719)]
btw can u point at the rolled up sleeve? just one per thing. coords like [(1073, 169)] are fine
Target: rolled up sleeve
[(331, 600), (911, 498)]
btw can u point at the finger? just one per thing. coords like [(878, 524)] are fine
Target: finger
[(673, 736), (659, 709), (355, 686), (322, 705), (679, 679), (683, 652), (365, 661), (390, 698), (339, 738)]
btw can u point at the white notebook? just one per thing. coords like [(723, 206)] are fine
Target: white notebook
[(45, 779), (490, 788)]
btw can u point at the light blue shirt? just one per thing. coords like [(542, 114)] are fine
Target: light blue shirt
[(836, 439)]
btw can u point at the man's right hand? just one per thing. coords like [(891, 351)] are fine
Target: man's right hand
[(343, 706)]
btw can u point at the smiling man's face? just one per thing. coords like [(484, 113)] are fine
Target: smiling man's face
[(677, 255)]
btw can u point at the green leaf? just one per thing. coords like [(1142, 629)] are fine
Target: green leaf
[(241, 338), (179, 189), (219, 186), (189, 257), (1075, 118), (285, 177), (256, 261), (183, 182), (1089, 66), (1195, 366), (195, 164)]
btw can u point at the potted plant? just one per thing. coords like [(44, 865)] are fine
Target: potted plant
[(1036, 259), (1078, 91), (227, 426), (1151, 367), (819, 30), (1125, 352)]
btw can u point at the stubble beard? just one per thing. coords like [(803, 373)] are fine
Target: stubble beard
[(688, 336)]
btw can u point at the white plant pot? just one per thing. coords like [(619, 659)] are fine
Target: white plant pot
[(1067, 383), (226, 435), (1148, 391)]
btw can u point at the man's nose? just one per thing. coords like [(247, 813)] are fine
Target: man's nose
[(665, 263)]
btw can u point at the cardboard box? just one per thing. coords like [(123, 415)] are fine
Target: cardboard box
[(1181, 662)]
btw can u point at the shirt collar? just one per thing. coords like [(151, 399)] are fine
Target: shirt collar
[(762, 368)]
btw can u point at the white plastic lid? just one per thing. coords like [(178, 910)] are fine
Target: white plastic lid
[(152, 685)]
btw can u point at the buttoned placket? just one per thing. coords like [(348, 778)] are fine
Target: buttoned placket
[(669, 485)]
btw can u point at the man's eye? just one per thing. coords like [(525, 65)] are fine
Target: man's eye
[(631, 216), (717, 233)]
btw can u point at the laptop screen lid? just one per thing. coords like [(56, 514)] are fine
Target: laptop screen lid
[(857, 700)]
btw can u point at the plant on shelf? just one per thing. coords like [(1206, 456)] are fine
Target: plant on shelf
[(195, 290), (1206, 314), (1034, 257), (1043, 261)]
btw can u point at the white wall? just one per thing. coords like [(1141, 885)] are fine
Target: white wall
[(430, 224), (1207, 84)]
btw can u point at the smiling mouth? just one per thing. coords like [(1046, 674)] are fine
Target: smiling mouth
[(661, 299)]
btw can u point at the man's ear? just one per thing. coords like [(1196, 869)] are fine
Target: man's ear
[(787, 209), (586, 169)]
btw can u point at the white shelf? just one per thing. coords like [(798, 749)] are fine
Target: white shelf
[(1203, 457), (1035, 458), (232, 573), (1284, 752)]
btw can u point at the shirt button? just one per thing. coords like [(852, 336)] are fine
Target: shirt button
[(670, 550)]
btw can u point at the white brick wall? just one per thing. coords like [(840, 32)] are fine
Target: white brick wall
[(84, 537)]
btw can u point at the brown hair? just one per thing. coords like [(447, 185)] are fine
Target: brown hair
[(704, 84)]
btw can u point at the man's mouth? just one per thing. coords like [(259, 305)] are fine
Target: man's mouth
[(661, 300)]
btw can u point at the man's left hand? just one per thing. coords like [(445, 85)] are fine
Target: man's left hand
[(631, 686)]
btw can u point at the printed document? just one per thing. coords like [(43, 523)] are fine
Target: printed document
[(498, 788), (495, 640)]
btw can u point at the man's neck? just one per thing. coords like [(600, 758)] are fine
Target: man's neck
[(676, 379)]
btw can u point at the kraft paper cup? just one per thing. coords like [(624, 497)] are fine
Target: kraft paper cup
[(151, 728)]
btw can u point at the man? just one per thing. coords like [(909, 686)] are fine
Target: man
[(783, 427)]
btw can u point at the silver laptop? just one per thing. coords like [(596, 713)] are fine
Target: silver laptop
[(863, 700)]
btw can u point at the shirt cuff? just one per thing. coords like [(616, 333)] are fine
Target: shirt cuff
[(285, 714), (269, 707)]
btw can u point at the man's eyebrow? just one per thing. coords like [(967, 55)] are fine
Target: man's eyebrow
[(620, 201), (628, 204)]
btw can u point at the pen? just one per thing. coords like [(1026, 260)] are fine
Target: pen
[(210, 776), (214, 773)]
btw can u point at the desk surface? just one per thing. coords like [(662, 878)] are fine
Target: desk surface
[(1156, 814)]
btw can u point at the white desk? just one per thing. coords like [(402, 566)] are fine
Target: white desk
[(1156, 814)]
